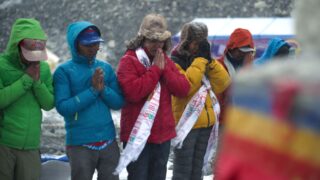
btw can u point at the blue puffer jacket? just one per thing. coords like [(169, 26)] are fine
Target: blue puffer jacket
[(86, 112), (273, 46)]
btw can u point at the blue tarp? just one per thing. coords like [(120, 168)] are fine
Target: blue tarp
[(48, 157)]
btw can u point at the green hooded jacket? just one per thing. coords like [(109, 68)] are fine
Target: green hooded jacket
[(22, 98)]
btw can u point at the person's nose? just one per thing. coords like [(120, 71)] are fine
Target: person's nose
[(94, 48)]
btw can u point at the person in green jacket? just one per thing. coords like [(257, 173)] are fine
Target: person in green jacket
[(25, 89)]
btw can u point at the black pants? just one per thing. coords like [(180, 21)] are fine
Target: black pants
[(18, 164), (151, 164), (188, 161), (84, 161)]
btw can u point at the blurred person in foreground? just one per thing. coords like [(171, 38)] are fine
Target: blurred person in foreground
[(25, 89), (277, 48), (193, 58), (238, 54), (148, 78), (86, 89), (273, 129)]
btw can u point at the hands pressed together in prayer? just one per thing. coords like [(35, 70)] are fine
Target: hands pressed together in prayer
[(98, 79)]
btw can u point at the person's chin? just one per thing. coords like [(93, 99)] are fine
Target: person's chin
[(153, 52), (92, 56), (194, 52)]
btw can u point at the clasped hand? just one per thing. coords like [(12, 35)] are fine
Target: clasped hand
[(33, 70), (98, 80), (159, 59), (205, 50)]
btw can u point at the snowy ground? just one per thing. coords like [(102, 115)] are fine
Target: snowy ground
[(53, 134), (124, 174)]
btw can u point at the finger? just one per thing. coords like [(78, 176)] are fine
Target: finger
[(101, 78), (156, 59), (162, 56), (162, 60), (159, 52), (97, 71), (37, 65), (100, 71)]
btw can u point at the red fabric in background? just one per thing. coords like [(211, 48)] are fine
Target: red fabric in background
[(284, 93), (241, 159)]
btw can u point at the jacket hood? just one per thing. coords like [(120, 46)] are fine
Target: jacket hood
[(23, 28), (273, 46), (73, 31), (239, 38)]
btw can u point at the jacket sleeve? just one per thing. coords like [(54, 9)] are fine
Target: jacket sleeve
[(218, 77), (136, 85), (175, 80), (43, 89), (66, 104), (12, 92), (195, 73), (112, 95)]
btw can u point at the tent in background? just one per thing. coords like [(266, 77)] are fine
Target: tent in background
[(262, 29)]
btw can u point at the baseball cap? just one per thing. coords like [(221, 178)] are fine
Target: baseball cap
[(247, 49), (89, 36), (33, 49)]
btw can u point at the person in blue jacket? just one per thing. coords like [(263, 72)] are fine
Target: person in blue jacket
[(277, 48), (85, 90)]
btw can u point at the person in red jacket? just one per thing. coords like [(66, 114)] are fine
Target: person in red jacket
[(138, 82), (239, 53)]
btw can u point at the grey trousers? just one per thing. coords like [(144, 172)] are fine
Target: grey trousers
[(18, 164), (188, 161), (84, 161)]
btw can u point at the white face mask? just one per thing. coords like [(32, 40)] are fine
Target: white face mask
[(33, 49)]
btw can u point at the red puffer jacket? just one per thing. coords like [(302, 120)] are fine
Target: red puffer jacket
[(137, 82)]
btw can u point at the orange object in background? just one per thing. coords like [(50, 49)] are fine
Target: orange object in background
[(257, 147)]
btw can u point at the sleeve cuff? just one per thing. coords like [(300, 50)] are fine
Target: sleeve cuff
[(157, 69), (201, 59), (213, 64), (200, 63), (37, 83), (94, 92)]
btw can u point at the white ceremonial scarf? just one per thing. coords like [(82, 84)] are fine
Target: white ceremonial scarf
[(212, 146), (190, 116), (230, 68), (142, 127)]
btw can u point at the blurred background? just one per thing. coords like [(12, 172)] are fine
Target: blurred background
[(119, 20)]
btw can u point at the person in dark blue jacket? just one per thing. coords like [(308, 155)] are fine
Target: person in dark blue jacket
[(85, 90), (277, 48)]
